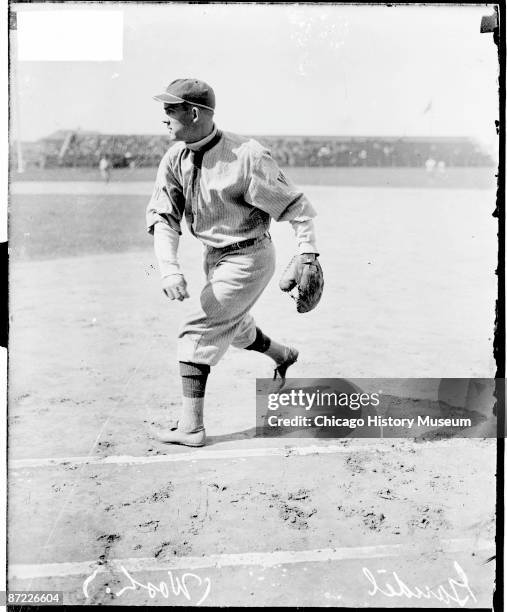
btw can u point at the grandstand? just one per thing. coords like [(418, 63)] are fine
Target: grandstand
[(70, 148)]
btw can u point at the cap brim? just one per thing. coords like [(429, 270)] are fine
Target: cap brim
[(168, 98)]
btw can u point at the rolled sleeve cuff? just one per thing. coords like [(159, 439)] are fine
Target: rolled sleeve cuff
[(168, 269)]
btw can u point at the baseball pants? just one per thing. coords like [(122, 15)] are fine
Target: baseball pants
[(234, 282)]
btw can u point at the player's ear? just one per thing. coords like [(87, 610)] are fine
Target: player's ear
[(195, 114)]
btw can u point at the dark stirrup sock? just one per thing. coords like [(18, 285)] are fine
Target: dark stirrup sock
[(260, 344), (193, 378), (264, 344)]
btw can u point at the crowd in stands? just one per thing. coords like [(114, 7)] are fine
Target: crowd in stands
[(373, 152), (86, 149)]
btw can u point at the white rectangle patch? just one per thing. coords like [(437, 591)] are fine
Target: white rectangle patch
[(70, 35)]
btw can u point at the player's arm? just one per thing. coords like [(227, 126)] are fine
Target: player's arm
[(165, 242), (304, 230), (163, 218), (271, 191)]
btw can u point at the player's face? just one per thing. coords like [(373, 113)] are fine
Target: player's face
[(178, 121)]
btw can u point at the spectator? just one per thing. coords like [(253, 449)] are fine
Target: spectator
[(105, 168), (430, 164), (88, 149)]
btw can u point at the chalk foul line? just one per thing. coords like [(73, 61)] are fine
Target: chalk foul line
[(235, 453), (262, 559)]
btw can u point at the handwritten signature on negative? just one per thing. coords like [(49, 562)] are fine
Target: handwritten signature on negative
[(453, 591), (187, 585)]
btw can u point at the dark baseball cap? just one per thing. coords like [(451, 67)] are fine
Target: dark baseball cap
[(192, 91)]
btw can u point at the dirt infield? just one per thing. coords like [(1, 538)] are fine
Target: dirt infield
[(410, 290)]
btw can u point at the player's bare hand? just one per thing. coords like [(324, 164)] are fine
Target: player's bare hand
[(175, 287)]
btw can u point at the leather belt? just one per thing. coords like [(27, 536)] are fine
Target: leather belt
[(243, 244)]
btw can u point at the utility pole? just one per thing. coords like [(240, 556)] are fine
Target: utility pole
[(14, 89)]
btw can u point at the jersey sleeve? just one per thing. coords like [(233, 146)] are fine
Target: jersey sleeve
[(304, 231), (167, 203), (270, 190), (165, 243)]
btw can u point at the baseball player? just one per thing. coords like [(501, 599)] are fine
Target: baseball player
[(228, 188), (105, 168)]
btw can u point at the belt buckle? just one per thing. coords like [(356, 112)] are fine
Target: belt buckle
[(243, 244), (231, 247)]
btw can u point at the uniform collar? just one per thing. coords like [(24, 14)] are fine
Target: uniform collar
[(200, 144)]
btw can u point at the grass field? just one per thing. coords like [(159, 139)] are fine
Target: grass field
[(410, 291), (63, 224), (54, 225), (461, 178)]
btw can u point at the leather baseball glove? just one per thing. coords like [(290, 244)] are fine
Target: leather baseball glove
[(304, 275)]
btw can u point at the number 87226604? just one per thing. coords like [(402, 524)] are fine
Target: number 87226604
[(32, 597)]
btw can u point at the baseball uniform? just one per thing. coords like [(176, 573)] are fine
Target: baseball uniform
[(228, 188)]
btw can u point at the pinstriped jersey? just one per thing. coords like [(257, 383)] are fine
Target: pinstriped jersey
[(228, 191)]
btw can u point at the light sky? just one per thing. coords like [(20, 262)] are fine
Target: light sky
[(291, 69)]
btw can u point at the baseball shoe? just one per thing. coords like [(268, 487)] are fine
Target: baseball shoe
[(174, 436), (281, 369)]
